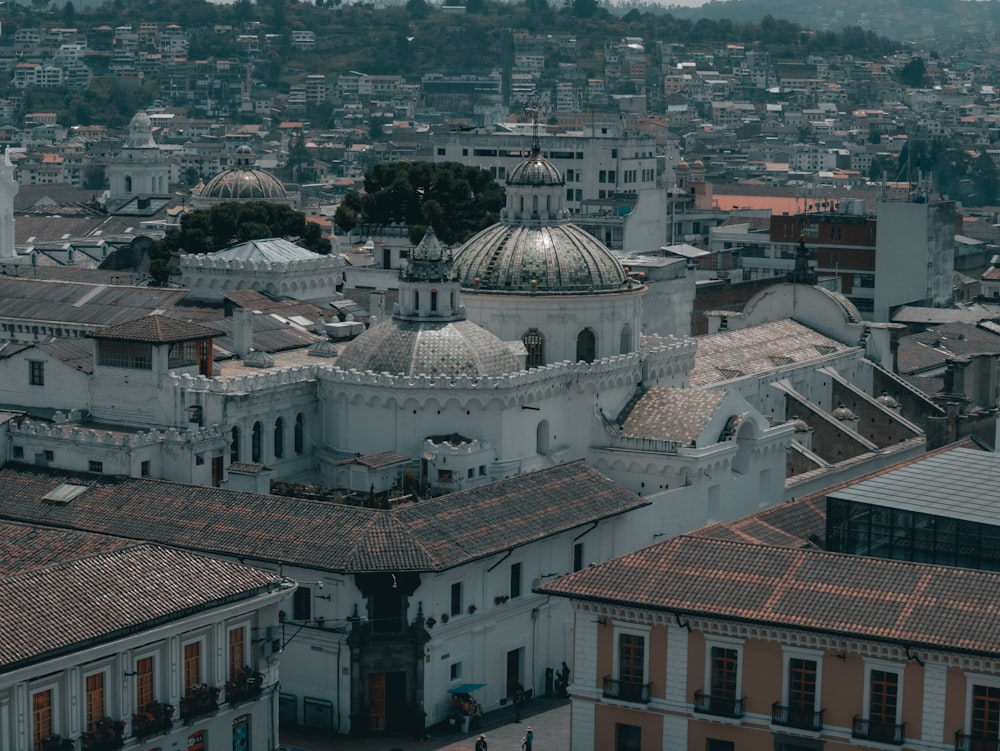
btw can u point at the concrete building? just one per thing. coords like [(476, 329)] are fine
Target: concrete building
[(612, 176)]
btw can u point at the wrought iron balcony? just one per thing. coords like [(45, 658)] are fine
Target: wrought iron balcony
[(718, 705), (626, 690), (875, 730), (968, 742), (56, 743), (107, 735), (246, 685), (200, 701), (155, 718), (795, 717)]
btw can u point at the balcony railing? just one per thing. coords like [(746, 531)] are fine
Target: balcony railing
[(56, 743), (626, 690), (966, 742), (200, 701), (245, 686), (107, 735), (718, 705), (875, 730), (794, 717), (155, 718)]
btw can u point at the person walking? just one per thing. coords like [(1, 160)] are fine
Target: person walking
[(524, 743), (481, 743), (519, 700), (529, 738)]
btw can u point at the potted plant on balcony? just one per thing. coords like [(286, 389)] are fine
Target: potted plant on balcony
[(472, 609), (154, 718), (107, 735), (56, 743), (244, 686), (200, 700), (430, 622)]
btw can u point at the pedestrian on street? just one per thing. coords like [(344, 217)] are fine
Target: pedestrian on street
[(529, 738), (519, 700), (524, 743), (481, 743)]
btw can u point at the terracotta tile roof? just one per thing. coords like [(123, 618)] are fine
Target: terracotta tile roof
[(156, 329), (430, 535), (670, 414), (846, 595), (50, 597), (738, 352)]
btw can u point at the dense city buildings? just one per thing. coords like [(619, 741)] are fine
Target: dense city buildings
[(666, 392)]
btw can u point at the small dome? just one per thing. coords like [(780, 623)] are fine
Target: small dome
[(842, 413), (698, 165), (244, 182), (887, 401), (683, 166), (432, 348), (801, 426), (324, 348), (535, 170), (258, 358)]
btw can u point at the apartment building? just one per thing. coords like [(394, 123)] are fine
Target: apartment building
[(723, 640), (108, 641)]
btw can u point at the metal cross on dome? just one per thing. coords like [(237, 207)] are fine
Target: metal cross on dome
[(534, 107)]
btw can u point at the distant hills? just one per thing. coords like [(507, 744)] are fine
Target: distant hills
[(923, 21)]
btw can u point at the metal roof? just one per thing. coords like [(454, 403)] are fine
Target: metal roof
[(959, 484)]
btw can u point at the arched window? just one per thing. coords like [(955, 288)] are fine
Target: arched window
[(534, 342), (279, 437), (256, 443), (542, 438), (586, 346), (434, 301), (625, 343), (416, 300), (128, 183), (234, 445), (299, 433)]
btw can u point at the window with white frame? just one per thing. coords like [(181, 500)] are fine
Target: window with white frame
[(800, 687), (723, 669), (982, 708), (42, 726), (883, 697), (95, 699), (193, 675), (145, 681), (631, 659)]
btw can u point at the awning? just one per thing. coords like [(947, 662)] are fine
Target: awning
[(465, 688)]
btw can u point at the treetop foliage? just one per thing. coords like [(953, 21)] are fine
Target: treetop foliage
[(456, 199)]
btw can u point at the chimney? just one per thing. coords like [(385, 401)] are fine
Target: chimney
[(243, 331)]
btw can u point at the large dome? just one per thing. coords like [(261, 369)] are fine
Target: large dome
[(535, 247), (553, 258), (413, 348), (244, 182)]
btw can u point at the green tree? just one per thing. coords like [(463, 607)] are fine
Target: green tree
[(913, 73), (458, 200)]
